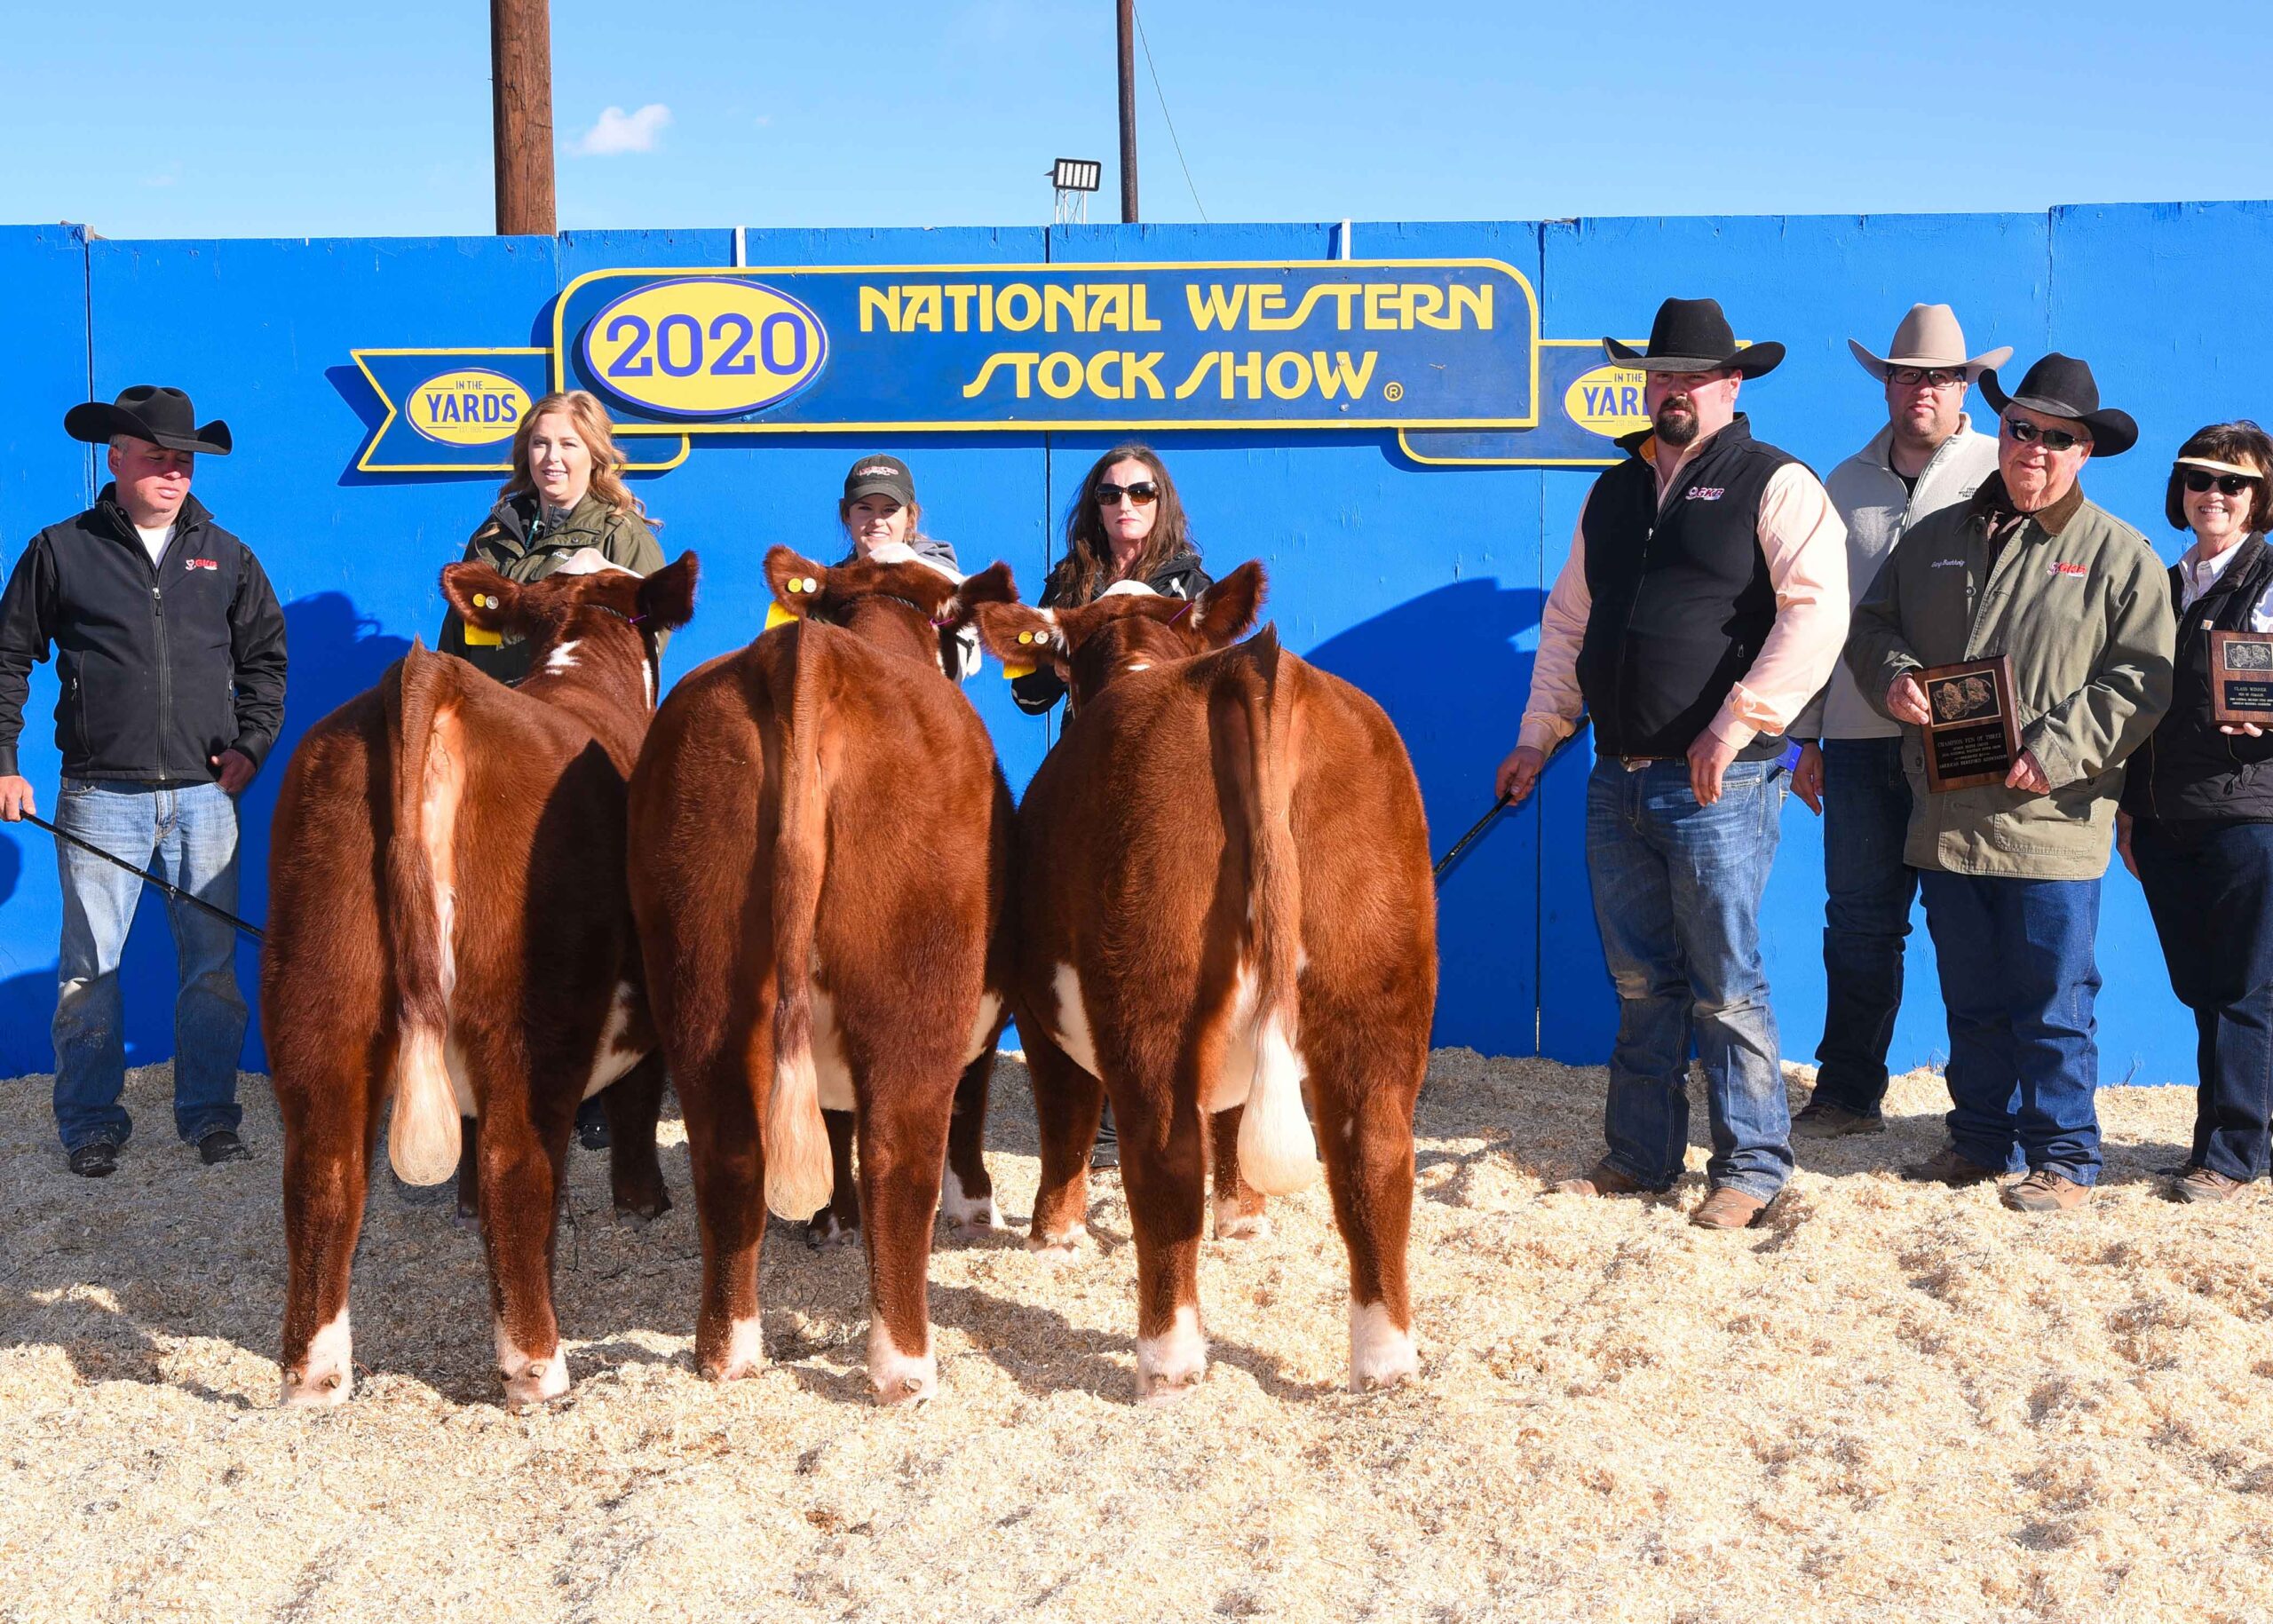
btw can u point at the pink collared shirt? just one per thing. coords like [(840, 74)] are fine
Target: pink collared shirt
[(1805, 544)]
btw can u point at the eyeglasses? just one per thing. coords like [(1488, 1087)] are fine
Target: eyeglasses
[(1143, 494), (1932, 377), (2054, 439), (2198, 480)]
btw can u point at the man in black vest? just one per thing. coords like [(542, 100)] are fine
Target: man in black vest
[(171, 654), (1703, 605)]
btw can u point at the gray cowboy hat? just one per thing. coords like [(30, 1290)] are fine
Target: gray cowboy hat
[(2062, 386), (1692, 336), (1930, 336), (148, 411)]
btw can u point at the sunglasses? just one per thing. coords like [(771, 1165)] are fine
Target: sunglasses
[(2027, 434), (1143, 494), (2198, 480), (1932, 377)]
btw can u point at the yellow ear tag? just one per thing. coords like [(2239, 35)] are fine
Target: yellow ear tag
[(776, 616), (1011, 673)]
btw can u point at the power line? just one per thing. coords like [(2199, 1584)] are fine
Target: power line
[(1165, 117)]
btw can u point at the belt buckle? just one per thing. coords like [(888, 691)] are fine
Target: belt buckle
[(1634, 763)]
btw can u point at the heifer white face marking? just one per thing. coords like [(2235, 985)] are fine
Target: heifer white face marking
[(328, 1376), (529, 1379), (1169, 1365), (1071, 1031), (589, 561), (900, 1378), (1381, 1353)]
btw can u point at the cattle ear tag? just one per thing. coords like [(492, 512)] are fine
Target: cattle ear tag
[(477, 637), (776, 616)]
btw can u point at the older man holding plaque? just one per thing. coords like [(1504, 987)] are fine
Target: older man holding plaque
[(2023, 639)]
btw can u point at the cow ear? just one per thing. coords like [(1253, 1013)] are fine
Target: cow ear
[(796, 581), (1021, 637), (484, 599), (1223, 613), (991, 585), (667, 597)]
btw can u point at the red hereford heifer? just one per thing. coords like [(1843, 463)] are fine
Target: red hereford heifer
[(448, 923), (820, 848), (1222, 903)]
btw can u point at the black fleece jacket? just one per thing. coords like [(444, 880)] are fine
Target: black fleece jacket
[(163, 666)]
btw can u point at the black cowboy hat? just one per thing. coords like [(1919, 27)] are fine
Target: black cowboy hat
[(2061, 386), (148, 411), (1692, 336)]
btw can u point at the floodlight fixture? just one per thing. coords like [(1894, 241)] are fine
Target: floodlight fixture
[(1074, 179)]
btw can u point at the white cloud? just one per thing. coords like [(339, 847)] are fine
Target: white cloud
[(165, 176), (618, 132)]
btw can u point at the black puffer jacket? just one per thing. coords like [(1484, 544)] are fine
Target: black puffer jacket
[(163, 666), (1180, 575)]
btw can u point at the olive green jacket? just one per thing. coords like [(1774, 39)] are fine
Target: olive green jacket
[(2080, 603), (502, 542)]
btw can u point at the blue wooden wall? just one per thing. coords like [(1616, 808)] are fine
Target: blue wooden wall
[(1423, 585)]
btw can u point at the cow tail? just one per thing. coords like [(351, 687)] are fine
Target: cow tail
[(1278, 1154), (799, 1175), (423, 1135)]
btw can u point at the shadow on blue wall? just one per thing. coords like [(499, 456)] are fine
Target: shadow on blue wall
[(1446, 669), (335, 654)]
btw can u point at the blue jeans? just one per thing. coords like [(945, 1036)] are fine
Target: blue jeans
[(2210, 886), (1676, 888), (191, 831), (1868, 889), (2018, 980)]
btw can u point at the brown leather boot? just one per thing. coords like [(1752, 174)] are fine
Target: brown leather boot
[(2045, 1191), (2200, 1184), (1603, 1179), (1947, 1167), (1728, 1208)]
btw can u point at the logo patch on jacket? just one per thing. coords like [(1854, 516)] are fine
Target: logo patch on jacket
[(1708, 493), (2060, 566), (200, 564)]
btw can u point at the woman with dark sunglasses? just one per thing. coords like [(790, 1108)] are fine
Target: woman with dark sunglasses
[(1126, 525), (2197, 822), (1126, 529)]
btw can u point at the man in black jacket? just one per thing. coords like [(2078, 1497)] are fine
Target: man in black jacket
[(172, 653)]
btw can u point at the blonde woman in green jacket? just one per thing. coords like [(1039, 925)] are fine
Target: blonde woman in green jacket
[(566, 493), (2078, 601)]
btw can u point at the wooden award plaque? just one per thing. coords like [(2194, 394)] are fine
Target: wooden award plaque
[(1974, 737), (2241, 676)]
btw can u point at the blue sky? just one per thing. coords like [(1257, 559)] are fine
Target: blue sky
[(259, 117)]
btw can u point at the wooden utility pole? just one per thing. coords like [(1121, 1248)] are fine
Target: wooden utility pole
[(1128, 111), (520, 84)]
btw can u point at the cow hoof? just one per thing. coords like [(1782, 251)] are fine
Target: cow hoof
[(467, 1218), (900, 1378), (1169, 1366), (826, 1230), (538, 1382), (325, 1391), (1064, 1246), (980, 1218), (643, 1210), (745, 1354), (1381, 1356), (1242, 1226)]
